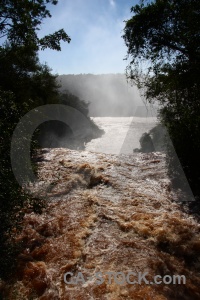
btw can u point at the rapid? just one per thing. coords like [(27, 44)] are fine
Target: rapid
[(107, 209)]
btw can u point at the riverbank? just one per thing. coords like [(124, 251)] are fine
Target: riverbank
[(105, 213)]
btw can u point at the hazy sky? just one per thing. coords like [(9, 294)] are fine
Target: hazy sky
[(95, 28)]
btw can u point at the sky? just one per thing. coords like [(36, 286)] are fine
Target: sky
[(95, 28)]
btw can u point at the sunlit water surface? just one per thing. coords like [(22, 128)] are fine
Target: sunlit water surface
[(121, 135)]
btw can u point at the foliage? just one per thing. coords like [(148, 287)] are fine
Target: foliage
[(20, 21), (24, 84), (67, 98), (73, 101), (21, 73), (11, 196), (164, 34), (163, 40)]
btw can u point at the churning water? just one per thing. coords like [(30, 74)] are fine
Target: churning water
[(105, 213)]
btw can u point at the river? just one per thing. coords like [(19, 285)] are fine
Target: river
[(105, 212), (121, 135)]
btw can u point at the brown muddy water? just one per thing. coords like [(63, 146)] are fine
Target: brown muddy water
[(105, 212)]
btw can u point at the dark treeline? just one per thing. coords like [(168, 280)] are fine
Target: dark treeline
[(25, 84)]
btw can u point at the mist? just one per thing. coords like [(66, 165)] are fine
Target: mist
[(108, 95)]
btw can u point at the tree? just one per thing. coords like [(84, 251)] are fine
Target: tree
[(163, 40), (24, 84), (19, 24), (163, 34), (68, 99), (20, 21)]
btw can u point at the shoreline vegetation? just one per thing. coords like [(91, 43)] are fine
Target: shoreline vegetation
[(56, 134)]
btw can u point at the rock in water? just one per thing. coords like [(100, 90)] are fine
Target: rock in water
[(146, 143)]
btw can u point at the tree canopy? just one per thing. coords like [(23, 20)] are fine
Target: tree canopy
[(164, 27), (164, 34), (20, 21), (20, 69)]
